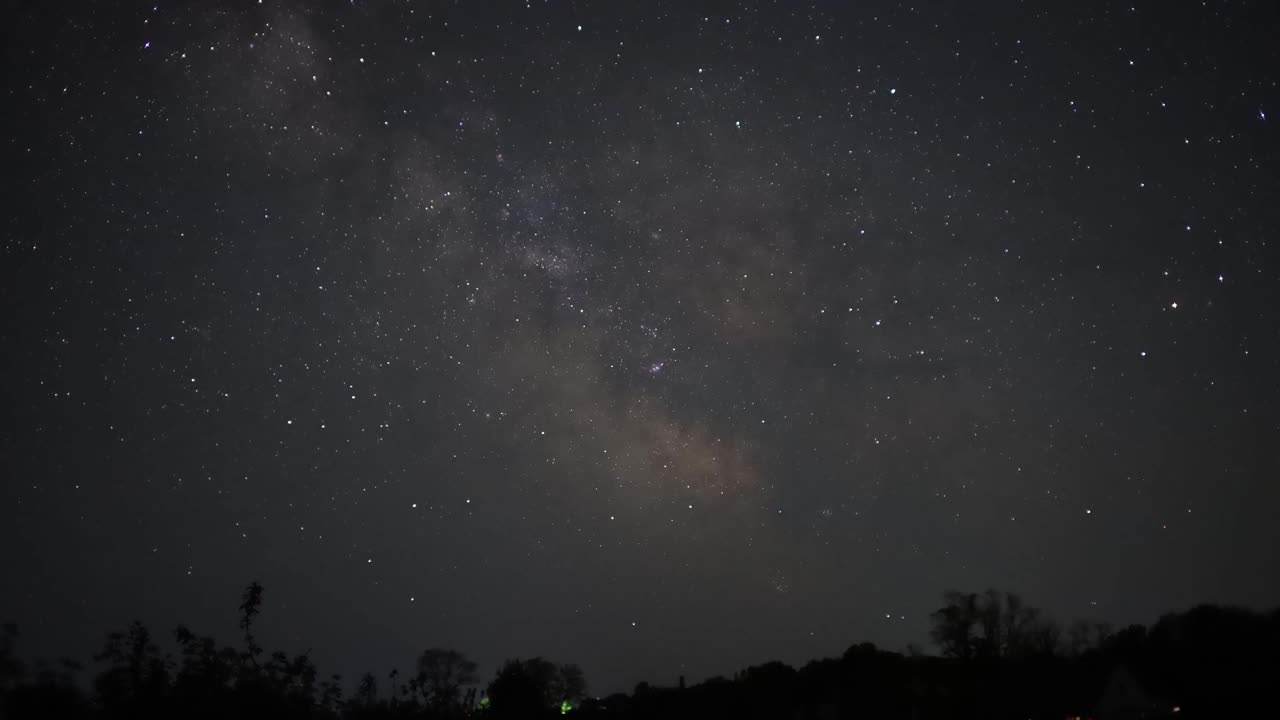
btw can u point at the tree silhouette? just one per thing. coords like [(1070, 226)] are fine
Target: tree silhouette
[(250, 603), (394, 677), (570, 685), (1044, 637), (441, 676), (534, 688), (1079, 635), (992, 625), (136, 676), (1017, 620), (331, 692), (954, 624), (1002, 659), (11, 668), (367, 692)]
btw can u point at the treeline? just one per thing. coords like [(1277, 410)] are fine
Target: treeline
[(999, 658)]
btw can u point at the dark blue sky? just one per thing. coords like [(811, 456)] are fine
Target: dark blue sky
[(655, 337)]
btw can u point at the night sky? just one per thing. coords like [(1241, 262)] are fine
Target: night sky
[(655, 337)]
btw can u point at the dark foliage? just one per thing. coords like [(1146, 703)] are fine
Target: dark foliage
[(999, 658), (534, 688)]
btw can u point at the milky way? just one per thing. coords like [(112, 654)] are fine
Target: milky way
[(655, 338)]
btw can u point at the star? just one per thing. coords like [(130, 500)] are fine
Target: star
[(556, 282)]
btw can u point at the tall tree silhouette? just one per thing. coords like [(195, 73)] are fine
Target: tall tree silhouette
[(250, 603), (993, 625), (441, 676), (954, 624)]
